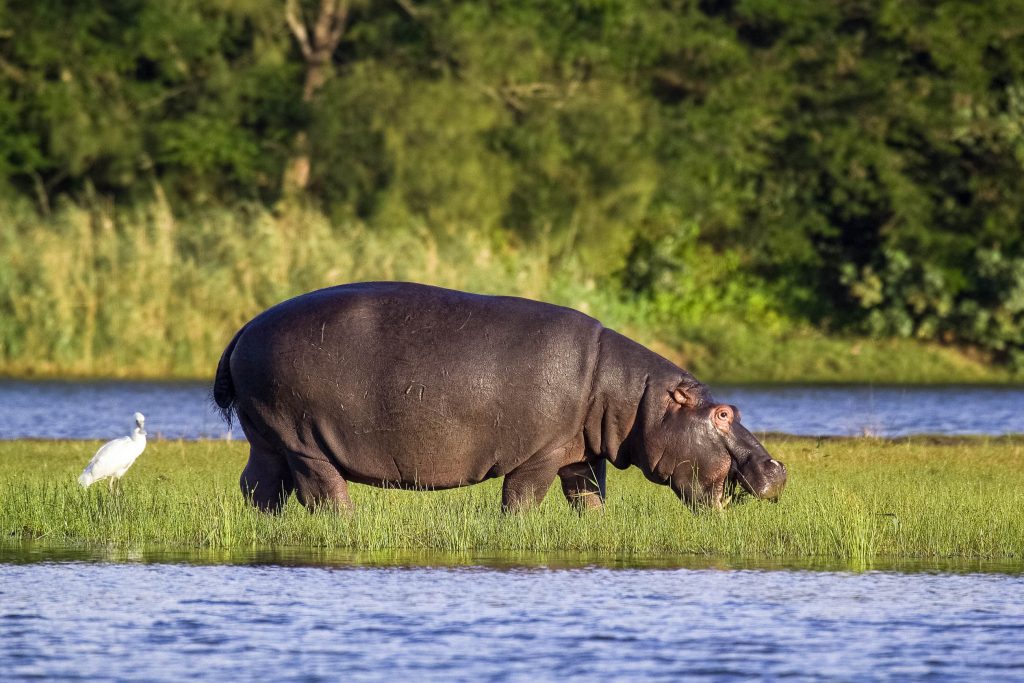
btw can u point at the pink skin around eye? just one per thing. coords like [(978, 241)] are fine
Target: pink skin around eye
[(722, 417)]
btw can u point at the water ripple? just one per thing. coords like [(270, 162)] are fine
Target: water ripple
[(125, 621)]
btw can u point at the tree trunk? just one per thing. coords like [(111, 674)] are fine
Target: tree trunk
[(317, 49)]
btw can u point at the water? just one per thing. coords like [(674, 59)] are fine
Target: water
[(172, 621), (101, 410), (854, 410)]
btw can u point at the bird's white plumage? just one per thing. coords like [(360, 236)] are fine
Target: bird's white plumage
[(114, 458)]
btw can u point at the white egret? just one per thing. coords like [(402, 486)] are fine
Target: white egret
[(114, 458)]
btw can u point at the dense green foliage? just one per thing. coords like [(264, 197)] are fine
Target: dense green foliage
[(855, 166), (859, 501)]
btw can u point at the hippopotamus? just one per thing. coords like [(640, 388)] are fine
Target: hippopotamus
[(411, 386)]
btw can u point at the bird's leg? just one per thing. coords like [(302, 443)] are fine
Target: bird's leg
[(110, 485)]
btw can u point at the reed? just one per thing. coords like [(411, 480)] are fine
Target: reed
[(858, 500), (94, 291), (98, 291)]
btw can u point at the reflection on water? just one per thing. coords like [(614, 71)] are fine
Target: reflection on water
[(310, 620), (29, 552), (101, 410)]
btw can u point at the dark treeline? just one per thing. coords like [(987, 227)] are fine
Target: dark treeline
[(854, 164)]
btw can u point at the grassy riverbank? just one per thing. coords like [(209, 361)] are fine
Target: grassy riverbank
[(101, 292), (853, 500)]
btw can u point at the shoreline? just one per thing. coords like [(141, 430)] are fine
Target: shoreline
[(35, 551)]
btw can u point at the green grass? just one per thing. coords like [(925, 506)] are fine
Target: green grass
[(93, 291), (858, 501)]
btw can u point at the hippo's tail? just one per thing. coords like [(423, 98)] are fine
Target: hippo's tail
[(223, 386)]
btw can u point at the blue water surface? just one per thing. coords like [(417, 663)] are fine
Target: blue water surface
[(133, 621), (102, 410)]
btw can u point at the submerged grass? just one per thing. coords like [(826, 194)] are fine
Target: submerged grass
[(856, 500)]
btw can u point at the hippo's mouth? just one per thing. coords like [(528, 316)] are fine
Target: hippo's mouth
[(753, 470), (738, 491), (765, 481)]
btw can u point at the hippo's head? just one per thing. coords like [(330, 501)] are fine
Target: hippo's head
[(703, 448)]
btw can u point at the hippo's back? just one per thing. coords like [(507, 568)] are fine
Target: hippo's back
[(414, 385)]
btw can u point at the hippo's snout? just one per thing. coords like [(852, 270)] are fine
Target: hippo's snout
[(775, 481)]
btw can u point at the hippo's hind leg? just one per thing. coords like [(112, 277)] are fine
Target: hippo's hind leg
[(266, 479), (582, 484), (318, 483)]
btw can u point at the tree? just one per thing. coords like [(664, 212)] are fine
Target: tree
[(317, 48)]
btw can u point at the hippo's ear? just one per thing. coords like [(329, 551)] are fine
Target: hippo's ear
[(687, 395)]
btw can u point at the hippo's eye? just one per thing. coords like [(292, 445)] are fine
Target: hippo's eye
[(723, 415)]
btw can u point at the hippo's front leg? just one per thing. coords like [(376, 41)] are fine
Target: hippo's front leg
[(581, 484), (526, 485)]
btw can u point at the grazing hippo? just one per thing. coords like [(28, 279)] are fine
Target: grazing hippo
[(404, 385)]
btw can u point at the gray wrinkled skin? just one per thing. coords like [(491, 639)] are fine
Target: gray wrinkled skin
[(409, 386)]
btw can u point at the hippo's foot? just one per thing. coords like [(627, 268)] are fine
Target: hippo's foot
[(336, 501), (266, 496), (266, 493)]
